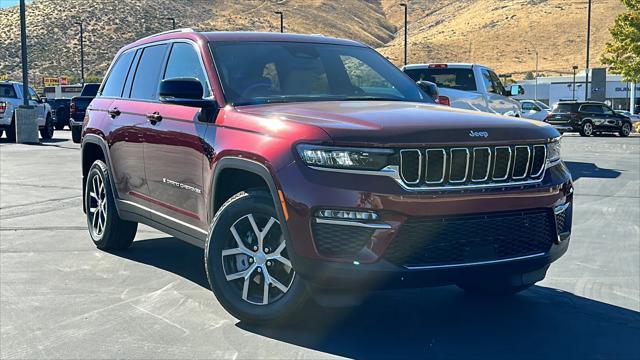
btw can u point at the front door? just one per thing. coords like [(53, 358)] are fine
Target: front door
[(175, 155)]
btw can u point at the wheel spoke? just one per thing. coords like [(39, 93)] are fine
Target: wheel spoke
[(240, 274), (267, 227), (236, 236), (236, 251), (279, 285), (93, 209), (245, 289), (258, 233), (94, 195), (265, 288), (283, 260)]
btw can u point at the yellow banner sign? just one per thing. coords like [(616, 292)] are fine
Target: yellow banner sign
[(50, 81)]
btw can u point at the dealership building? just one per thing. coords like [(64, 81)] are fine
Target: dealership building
[(610, 89)]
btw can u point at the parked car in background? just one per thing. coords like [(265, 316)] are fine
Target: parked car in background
[(11, 97), (299, 177), (78, 107), (633, 117), (588, 118), (534, 109), (469, 86), (60, 111)]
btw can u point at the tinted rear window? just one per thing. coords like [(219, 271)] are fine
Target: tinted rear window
[(7, 91), (458, 79), (81, 104), (115, 81), (147, 77), (90, 90), (564, 108)]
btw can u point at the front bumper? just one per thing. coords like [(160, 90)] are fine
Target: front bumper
[(307, 190)]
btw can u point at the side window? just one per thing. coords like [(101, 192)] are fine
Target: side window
[(606, 110), (527, 106), (33, 95), (497, 84), (113, 85), (184, 61), (147, 76), (486, 78)]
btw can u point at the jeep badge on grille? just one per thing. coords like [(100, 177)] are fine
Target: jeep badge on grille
[(483, 134)]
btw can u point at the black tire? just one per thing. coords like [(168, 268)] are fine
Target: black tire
[(586, 129), (493, 288), (11, 131), (46, 133), (625, 130), (76, 134), (59, 126), (248, 305), (108, 231)]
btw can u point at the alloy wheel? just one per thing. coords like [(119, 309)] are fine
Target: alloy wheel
[(588, 129), (626, 129), (97, 205), (255, 259)]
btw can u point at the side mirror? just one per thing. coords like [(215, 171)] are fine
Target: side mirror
[(429, 88), (516, 90), (185, 92)]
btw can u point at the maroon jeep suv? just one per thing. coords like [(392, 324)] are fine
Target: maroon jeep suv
[(307, 166)]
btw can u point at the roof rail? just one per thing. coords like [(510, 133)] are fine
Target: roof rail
[(169, 32)]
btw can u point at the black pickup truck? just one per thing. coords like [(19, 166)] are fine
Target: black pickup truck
[(78, 107)]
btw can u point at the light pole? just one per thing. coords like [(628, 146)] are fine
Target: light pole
[(281, 20), (586, 88), (81, 51), (23, 45), (173, 21), (406, 9), (575, 67), (535, 92)]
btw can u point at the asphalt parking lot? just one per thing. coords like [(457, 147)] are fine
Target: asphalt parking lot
[(63, 298)]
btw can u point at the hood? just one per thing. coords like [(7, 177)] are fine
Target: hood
[(376, 123)]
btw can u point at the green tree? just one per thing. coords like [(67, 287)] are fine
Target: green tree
[(622, 54), (529, 76)]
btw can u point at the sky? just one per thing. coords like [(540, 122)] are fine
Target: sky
[(10, 3)]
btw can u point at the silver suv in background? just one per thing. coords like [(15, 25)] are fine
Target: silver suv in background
[(11, 97), (469, 86)]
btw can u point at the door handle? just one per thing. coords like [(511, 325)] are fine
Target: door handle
[(154, 117), (114, 113)]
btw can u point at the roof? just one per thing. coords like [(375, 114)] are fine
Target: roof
[(580, 102), (451, 65), (241, 36)]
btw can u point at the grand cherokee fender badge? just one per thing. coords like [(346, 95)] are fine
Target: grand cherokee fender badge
[(483, 134), (181, 185)]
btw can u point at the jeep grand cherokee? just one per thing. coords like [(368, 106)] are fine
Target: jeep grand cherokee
[(306, 165)]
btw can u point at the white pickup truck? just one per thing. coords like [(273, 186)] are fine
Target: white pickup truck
[(469, 86), (11, 96)]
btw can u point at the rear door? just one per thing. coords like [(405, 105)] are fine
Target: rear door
[(174, 152), (593, 113), (125, 138)]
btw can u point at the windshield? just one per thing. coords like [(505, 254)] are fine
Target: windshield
[(268, 72), (542, 105), (452, 78)]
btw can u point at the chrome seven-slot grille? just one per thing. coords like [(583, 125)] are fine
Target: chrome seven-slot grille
[(468, 166)]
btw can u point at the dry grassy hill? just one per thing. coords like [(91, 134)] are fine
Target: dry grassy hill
[(500, 33)]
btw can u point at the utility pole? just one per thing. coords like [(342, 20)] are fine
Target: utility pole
[(575, 67), (173, 22), (586, 73), (23, 44), (535, 93), (281, 20), (81, 51), (406, 9)]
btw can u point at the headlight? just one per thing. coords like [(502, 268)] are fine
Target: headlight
[(345, 158), (553, 151)]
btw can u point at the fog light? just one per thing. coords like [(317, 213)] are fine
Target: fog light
[(347, 215)]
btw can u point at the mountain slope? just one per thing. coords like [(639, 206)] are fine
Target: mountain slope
[(502, 34)]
